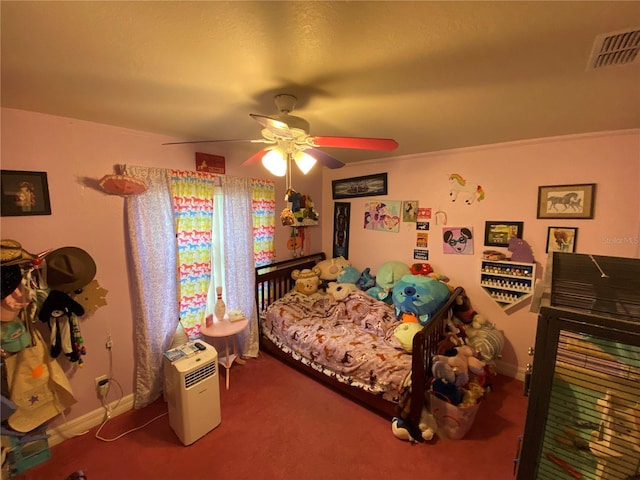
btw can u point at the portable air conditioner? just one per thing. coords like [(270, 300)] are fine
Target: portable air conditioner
[(192, 390)]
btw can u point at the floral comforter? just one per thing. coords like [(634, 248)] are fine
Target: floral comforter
[(351, 339)]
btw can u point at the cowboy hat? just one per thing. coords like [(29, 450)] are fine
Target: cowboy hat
[(69, 269), (12, 251)]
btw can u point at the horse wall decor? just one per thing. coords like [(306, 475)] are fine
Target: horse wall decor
[(464, 190)]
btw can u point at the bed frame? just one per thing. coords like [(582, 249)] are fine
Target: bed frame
[(274, 281)]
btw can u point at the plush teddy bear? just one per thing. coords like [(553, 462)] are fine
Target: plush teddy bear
[(388, 275), (307, 280), (330, 269), (339, 291), (419, 296)]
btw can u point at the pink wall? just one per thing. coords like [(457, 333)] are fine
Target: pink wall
[(510, 175), (76, 154)]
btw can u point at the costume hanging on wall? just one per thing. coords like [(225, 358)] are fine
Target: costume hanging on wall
[(60, 311)]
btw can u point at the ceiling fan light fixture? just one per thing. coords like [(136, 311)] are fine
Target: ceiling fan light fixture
[(275, 162), (304, 161)]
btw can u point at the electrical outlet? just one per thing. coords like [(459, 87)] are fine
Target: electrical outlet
[(102, 384), (109, 343)]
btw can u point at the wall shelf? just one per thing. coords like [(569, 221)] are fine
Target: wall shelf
[(507, 283)]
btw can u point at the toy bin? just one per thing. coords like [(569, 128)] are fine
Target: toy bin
[(23, 456), (454, 422)]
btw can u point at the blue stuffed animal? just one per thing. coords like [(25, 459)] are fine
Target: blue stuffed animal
[(419, 296)]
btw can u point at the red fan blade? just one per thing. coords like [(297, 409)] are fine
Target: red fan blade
[(276, 127), (324, 158), (256, 157), (387, 144)]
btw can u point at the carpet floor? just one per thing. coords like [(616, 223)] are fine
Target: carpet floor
[(280, 424)]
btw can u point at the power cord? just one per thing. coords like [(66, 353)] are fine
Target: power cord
[(108, 409)]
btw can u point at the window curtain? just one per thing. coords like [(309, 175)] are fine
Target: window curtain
[(193, 203), (238, 259), (153, 259), (263, 200)]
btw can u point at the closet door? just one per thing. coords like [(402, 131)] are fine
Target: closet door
[(583, 417)]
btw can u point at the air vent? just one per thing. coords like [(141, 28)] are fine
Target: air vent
[(615, 48), (196, 376)]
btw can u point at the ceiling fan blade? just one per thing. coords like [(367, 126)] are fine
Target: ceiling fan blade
[(276, 127), (324, 158), (387, 144), (256, 157), (260, 140)]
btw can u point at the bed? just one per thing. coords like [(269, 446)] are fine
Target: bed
[(388, 386)]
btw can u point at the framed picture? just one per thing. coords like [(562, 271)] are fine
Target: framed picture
[(25, 193), (367, 186), (341, 218), (497, 234), (566, 201), (561, 239)]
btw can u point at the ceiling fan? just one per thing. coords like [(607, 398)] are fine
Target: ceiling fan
[(287, 138)]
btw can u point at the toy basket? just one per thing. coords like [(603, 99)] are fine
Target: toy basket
[(454, 422)]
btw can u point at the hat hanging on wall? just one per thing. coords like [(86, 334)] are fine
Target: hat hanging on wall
[(120, 183), (69, 269)]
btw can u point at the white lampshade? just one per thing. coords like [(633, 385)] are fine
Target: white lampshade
[(275, 163), (304, 161)]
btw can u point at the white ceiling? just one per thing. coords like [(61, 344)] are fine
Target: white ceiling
[(432, 75)]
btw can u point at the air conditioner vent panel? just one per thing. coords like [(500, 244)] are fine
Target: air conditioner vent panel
[(615, 48)]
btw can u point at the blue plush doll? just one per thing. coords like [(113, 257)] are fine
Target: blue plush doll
[(420, 296)]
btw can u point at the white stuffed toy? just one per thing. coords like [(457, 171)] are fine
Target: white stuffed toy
[(339, 291)]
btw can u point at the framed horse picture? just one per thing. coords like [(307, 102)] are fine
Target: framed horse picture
[(566, 201)]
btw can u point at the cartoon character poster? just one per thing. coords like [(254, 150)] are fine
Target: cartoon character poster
[(410, 211), (384, 216), (457, 240)]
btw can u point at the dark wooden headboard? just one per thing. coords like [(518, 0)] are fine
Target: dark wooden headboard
[(273, 281)]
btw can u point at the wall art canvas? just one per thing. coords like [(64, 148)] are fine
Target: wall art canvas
[(457, 240), (383, 216)]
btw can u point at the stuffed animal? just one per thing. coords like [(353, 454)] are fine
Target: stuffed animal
[(348, 275), (405, 332), (331, 268), (462, 360), (421, 269), (59, 311), (520, 250), (307, 280), (426, 428), (464, 312), (366, 280), (339, 291), (388, 275), (420, 296), (487, 340)]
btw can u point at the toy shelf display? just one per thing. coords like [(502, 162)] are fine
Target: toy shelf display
[(507, 283)]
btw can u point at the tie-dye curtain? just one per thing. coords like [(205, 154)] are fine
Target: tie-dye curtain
[(192, 194), (263, 207)]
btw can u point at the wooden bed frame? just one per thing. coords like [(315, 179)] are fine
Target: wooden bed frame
[(274, 281)]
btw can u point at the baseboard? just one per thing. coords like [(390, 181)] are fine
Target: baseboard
[(79, 426), (513, 371)]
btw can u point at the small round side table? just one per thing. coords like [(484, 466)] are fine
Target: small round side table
[(226, 329)]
